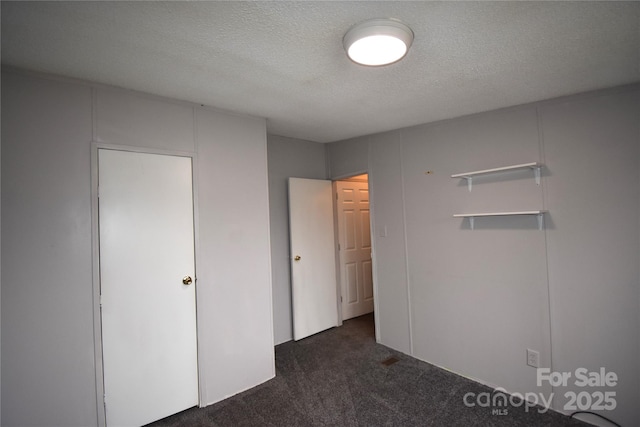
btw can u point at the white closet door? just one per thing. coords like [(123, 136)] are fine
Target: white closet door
[(148, 313)]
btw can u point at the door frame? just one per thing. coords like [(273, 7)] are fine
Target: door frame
[(374, 272), (95, 258)]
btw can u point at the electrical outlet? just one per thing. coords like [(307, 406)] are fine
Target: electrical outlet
[(533, 358)]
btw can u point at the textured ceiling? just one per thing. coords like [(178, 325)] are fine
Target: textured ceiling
[(285, 60)]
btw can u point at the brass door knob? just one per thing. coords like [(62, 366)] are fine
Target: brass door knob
[(187, 280), (297, 258)]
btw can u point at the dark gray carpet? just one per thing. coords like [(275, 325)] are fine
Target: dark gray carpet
[(337, 378)]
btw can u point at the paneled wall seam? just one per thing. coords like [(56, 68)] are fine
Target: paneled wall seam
[(406, 244), (372, 224), (94, 113), (543, 160), (269, 277), (201, 352), (97, 327)]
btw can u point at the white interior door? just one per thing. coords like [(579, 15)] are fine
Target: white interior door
[(148, 313), (313, 264), (354, 234)]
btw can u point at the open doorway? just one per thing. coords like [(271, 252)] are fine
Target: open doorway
[(355, 276)]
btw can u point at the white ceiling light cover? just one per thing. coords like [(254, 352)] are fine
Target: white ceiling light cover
[(378, 42)]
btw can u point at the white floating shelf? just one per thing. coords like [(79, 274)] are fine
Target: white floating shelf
[(535, 166), (472, 216), (467, 215)]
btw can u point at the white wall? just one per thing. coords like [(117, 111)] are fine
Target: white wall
[(49, 375), (393, 327), (348, 158), (479, 298), (592, 148), (233, 265), (287, 158), (473, 292)]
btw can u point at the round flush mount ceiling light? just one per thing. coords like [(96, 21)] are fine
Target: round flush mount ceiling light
[(378, 42)]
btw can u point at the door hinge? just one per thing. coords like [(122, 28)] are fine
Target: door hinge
[(340, 298), (339, 246), (100, 300)]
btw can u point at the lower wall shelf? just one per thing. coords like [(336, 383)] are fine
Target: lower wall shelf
[(472, 216)]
